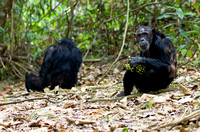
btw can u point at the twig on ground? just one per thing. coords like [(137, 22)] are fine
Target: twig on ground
[(16, 96), (32, 99), (114, 99), (95, 87), (165, 90), (195, 114)]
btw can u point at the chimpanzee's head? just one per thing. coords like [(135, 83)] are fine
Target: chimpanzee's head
[(145, 36)]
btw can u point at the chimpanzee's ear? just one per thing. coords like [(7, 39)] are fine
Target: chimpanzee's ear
[(58, 42), (135, 34)]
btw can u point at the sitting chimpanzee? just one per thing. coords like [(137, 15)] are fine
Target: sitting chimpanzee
[(60, 67), (157, 65)]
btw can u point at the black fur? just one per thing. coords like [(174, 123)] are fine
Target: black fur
[(160, 66), (33, 82), (60, 65)]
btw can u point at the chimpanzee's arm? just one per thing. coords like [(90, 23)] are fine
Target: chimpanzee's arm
[(150, 62), (46, 65), (77, 55), (156, 64)]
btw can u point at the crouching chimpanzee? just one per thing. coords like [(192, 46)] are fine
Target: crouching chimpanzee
[(157, 65), (60, 66)]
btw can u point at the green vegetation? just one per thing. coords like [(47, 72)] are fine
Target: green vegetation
[(28, 27), (148, 104)]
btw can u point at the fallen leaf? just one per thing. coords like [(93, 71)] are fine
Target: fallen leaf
[(115, 71), (70, 103), (124, 101), (198, 85), (184, 90), (159, 99), (35, 124), (70, 120), (81, 122)]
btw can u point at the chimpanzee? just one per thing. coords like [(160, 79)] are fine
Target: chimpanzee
[(156, 66), (60, 66)]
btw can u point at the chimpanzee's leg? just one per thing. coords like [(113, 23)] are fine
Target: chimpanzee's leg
[(128, 82)]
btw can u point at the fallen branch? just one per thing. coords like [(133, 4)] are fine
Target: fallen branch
[(114, 99), (79, 122), (32, 99), (195, 114), (16, 96), (95, 87), (164, 90), (82, 122)]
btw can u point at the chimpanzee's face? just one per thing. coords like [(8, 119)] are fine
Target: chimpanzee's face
[(144, 35)]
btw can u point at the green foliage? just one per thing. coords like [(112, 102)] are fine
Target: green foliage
[(148, 104), (1, 71), (128, 67), (139, 68), (1, 30), (107, 117), (125, 129), (89, 15), (99, 25), (180, 13), (196, 5), (184, 31), (33, 116)]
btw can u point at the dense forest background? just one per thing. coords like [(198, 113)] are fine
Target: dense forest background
[(27, 27)]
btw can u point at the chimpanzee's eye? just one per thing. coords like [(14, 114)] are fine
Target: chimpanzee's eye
[(146, 34), (138, 35)]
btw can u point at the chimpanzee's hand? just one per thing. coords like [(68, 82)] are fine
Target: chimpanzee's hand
[(135, 61)]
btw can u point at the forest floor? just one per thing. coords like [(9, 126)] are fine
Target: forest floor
[(92, 107)]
